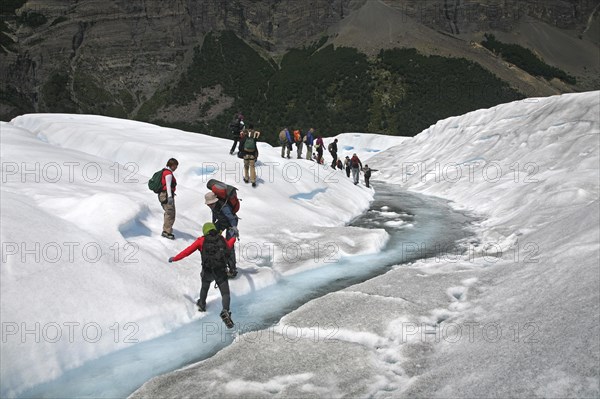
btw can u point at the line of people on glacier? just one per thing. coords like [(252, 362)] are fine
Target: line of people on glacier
[(351, 165), (218, 254)]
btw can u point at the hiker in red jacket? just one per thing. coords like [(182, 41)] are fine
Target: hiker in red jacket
[(214, 250), (167, 197)]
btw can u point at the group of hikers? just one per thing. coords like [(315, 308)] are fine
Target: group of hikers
[(217, 252), (245, 137)]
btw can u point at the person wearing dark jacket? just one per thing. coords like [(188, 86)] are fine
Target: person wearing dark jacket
[(319, 146), (167, 197), (333, 151), (213, 249), (236, 128), (367, 172), (225, 220)]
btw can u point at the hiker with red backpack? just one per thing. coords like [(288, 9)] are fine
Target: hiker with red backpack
[(356, 166), (214, 250), (166, 196), (249, 153), (225, 219)]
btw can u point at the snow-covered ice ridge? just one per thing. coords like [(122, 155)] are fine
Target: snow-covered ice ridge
[(84, 269), (517, 315)]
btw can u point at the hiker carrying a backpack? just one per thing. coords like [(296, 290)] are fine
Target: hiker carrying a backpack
[(226, 220), (236, 127), (333, 151), (298, 141), (347, 165), (166, 196), (250, 153), (356, 167), (214, 250), (285, 139), (319, 146), (308, 140)]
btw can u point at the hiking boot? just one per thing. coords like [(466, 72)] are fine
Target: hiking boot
[(246, 181), (201, 306), (253, 184), (226, 317), (168, 235), (232, 273)]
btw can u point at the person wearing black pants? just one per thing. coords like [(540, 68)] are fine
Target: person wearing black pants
[(236, 127), (214, 250), (333, 151)]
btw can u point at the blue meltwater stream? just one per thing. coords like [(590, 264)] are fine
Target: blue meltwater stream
[(419, 227)]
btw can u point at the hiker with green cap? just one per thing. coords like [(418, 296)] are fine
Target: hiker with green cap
[(214, 250)]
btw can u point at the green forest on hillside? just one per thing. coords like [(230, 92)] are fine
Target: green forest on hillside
[(399, 92), (525, 59)]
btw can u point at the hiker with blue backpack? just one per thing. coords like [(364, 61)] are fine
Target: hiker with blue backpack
[(214, 250), (286, 140), (249, 153), (225, 219), (309, 140)]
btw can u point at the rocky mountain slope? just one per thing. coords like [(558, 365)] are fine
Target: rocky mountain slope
[(112, 58)]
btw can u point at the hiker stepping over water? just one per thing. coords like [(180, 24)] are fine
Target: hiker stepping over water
[(226, 220), (214, 250)]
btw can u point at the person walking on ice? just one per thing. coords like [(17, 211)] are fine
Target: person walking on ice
[(356, 166), (286, 140), (214, 250), (309, 140), (249, 153), (367, 172), (167, 197)]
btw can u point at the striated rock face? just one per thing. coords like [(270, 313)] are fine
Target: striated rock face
[(464, 16), (128, 48), (110, 57)]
